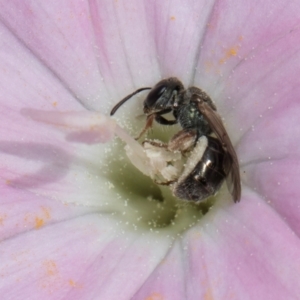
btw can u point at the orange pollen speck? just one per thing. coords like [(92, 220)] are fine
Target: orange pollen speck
[(232, 52), (46, 212), (72, 283), (39, 222), (1, 220), (51, 268), (172, 18), (155, 296), (229, 53)]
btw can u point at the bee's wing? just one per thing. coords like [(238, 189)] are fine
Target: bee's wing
[(231, 163)]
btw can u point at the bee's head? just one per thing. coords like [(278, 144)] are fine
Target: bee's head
[(162, 96)]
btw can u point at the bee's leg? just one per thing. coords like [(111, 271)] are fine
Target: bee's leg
[(183, 141), (163, 121), (159, 119), (155, 143), (148, 125), (165, 183)]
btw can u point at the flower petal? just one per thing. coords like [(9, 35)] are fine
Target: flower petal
[(270, 160), (168, 280), (23, 211), (86, 257), (277, 182), (247, 60), (58, 36), (242, 251)]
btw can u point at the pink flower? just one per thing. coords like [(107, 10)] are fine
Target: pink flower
[(77, 220)]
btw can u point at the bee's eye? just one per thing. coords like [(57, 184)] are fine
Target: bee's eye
[(154, 96)]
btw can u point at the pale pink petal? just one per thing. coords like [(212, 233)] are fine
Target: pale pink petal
[(270, 159), (245, 251), (249, 251), (178, 28), (277, 182), (59, 37), (87, 46), (168, 281), (84, 258), (23, 211), (247, 61)]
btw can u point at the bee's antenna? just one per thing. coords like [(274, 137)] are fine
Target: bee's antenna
[(117, 106)]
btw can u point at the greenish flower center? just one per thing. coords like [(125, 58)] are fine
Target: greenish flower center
[(145, 204)]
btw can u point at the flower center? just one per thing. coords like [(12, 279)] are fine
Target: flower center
[(118, 185), (145, 203)]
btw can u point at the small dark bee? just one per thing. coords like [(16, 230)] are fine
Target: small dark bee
[(193, 109)]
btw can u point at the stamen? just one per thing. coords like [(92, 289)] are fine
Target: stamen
[(82, 127)]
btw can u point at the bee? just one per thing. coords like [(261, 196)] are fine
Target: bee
[(202, 127)]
